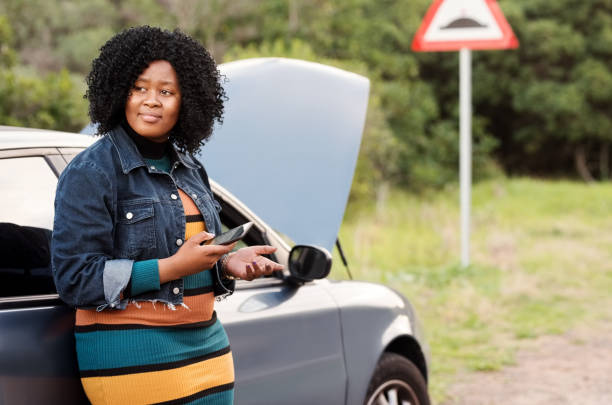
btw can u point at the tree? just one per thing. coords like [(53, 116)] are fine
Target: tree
[(53, 101), (8, 55), (543, 108), (549, 102)]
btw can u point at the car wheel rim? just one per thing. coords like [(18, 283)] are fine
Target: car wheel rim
[(394, 392)]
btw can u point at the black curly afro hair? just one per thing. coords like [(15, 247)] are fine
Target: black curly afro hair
[(126, 55)]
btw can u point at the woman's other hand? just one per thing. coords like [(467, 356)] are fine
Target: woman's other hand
[(192, 257), (248, 264)]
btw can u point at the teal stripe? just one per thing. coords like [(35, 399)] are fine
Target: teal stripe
[(197, 280), (134, 347), (145, 276), (164, 164), (219, 398)]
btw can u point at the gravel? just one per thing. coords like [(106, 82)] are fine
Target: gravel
[(575, 368)]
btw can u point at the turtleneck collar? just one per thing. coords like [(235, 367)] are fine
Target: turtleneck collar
[(148, 149)]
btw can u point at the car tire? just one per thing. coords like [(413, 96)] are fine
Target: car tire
[(397, 381)]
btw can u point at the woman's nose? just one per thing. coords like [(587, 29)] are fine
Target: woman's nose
[(151, 100)]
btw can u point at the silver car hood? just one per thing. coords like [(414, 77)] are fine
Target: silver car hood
[(289, 142)]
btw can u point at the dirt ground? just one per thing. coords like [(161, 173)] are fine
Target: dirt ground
[(575, 368)]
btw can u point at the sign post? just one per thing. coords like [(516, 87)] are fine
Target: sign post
[(465, 149), (464, 25)]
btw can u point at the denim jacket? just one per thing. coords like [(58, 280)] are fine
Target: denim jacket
[(111, 210)]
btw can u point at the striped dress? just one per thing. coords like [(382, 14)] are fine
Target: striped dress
[(151, 353)]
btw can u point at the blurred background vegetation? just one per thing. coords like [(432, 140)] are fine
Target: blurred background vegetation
[(542, 110)]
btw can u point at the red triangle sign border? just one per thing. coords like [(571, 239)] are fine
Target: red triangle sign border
[(507, 41)]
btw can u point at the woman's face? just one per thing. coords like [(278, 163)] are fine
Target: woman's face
[(153, 105)]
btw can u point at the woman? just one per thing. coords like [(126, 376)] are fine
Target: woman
[(131, 212)]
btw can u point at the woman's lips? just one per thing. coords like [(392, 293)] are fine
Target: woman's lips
[(150, 118)]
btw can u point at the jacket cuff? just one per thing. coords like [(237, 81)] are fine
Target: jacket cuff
[(115, 278), (145, 277)]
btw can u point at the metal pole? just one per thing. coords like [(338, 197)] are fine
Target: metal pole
[(465, 149)]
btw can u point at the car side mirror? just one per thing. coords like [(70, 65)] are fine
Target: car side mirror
[(307, 263)]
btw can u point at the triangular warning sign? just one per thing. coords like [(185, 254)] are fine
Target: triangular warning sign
[(450, 25)]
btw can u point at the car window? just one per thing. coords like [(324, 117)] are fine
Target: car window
[(28, 188), (26, 218)]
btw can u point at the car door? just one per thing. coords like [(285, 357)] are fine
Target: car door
[(37, 359), (286, 339)]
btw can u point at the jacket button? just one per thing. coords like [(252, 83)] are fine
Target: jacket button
[(179, 242), (176, 290), (173, 196), (152, 167), (194, 196), (129, 215)]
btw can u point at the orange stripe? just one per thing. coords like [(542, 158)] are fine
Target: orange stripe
[(201, 308)]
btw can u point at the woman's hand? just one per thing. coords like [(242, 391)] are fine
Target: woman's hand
[(248, 264), (192, 258)]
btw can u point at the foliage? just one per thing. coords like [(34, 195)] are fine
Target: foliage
[(52, 35), (53, 101), (7, 53), (554, 93), (79, 48), (541, 109)]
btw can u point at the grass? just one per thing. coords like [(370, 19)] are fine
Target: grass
[(541, 264)]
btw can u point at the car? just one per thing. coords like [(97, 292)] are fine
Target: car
[(297, 337)]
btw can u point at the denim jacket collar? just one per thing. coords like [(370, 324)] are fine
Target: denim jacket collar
[(130, 157)]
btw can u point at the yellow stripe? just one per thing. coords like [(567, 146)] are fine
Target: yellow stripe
[(160, 386), (192, 228)]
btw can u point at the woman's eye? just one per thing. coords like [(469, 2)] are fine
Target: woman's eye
[(166, 92), (139, 89)]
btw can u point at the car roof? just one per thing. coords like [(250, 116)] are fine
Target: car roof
[(17, 138)]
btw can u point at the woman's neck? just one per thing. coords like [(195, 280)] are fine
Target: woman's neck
[(148, 149)]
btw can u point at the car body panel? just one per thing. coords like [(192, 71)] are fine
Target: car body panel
[(282, 358), (37, 357), (372, 316), (298, 126), (17, 138)]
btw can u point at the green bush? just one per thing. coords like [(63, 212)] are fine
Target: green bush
[(51, 101)]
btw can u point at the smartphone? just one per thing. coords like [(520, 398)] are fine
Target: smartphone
[(230, 236)]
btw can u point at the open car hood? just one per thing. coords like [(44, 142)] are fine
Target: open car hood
[(289, 142)]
